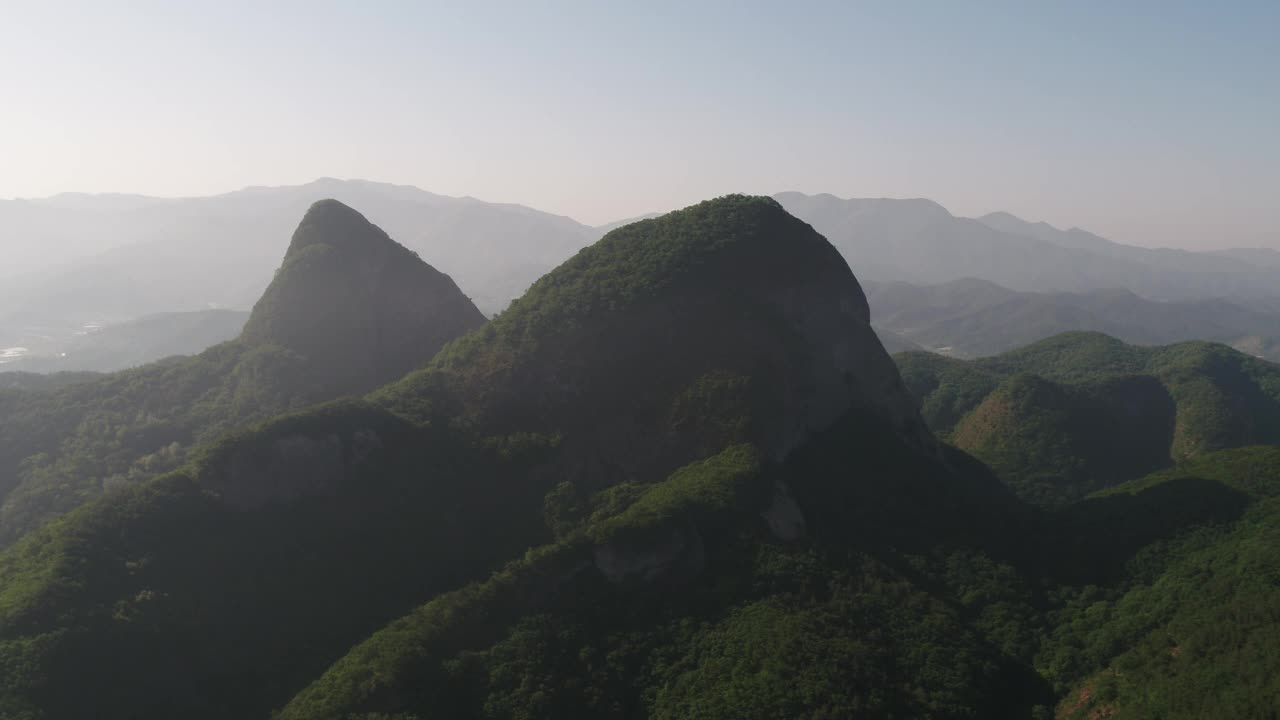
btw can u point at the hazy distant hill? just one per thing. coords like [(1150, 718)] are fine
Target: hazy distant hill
[(41, 234), (133, 343), (972, 318), (919, 241), (138, 256), (1168, 260), (108, 259)]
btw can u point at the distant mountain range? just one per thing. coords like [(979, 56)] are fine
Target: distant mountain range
[(78, 260), (972, 318), (919, 241), (115, 258)]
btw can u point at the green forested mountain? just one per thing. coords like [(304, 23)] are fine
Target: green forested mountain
[(1195, 631), (1081, 411), (658, 468), (679, 478), (973, 318), (349, 310)]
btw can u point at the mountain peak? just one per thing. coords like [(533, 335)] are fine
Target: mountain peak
[(329, 222), (731, 304), (357, 303)]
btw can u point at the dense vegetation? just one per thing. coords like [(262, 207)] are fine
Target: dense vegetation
[(1196, 633), (679, 479), (1079, 411)]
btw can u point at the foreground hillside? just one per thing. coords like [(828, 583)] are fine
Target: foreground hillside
[(679, 478), (974, 318), (1194, 632), (1081, 411), (349, 310)]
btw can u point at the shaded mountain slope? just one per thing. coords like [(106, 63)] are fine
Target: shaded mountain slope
[(656, 465), (60, 448), (698, 597), (1195, 633), (706, 312), (1081, 424), (1054, 443), (557, 519), (349, 298)]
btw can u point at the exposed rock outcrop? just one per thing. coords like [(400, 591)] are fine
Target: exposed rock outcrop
[(783, 516), (290, 467), (673, 551)]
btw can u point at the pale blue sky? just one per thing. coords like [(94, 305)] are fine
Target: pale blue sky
[(1150, 122)]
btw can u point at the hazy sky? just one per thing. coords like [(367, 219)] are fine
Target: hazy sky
[(1149, 122)]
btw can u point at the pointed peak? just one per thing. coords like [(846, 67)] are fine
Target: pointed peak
[(329, 222), (350, 298)]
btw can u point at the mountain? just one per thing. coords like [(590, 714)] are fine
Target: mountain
[(666, 418), (894, 343), (920, 242), (1081, 411), (695, 307), (123, 260), (678, 478), (1055, 442), (972, 318), (350, 299), (133, 343), (348, 311)]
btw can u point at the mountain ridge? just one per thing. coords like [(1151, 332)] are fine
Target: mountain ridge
[(349, 310)]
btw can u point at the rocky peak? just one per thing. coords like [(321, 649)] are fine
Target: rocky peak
[(363, 309), (729, 321)]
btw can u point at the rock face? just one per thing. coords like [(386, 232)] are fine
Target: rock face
[(673, 552), (254, 475), (729, 321), (362, 308), (783, 516), (293, 467)]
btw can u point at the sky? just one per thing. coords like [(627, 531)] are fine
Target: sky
[(1152, 123)]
